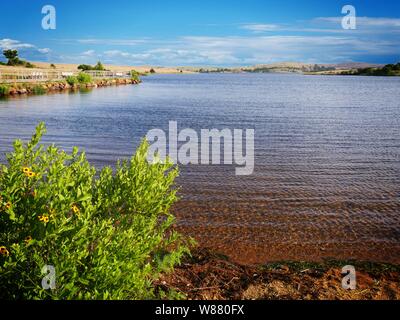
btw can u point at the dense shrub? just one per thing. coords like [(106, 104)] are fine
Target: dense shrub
[(72, 80), (108, 234), (4, 90), (86, 67), (38, 89), (135, 76), (84, 78), (29, 65)]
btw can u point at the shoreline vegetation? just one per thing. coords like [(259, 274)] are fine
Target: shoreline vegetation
[(207, 275), (39, 88)]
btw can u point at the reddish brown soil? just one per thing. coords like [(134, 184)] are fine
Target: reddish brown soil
[(211, 276)]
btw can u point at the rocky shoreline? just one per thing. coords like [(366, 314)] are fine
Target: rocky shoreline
[(35, 88), (207, 275)]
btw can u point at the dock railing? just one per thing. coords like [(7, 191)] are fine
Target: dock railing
[(43, 76)]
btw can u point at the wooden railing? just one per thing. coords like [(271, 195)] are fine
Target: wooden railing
[(42, 76)]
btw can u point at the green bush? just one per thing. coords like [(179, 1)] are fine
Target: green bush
[(135, 76), (29, 65), (4, 90), (72, 80), (108, 234), (99, 67), (38, 89), (84, 78), (85, 67)]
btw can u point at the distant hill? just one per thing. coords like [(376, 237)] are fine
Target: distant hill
[(296, 67), (355, 65)]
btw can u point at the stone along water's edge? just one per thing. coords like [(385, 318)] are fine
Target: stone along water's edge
[(36, 88)]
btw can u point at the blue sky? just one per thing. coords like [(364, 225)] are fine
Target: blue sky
[(202, 32)]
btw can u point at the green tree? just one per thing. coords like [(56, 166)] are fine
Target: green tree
[(12, 56), (85, 67), (99, 66)]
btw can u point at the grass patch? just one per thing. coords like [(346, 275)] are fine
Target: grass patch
[(4, 90), (84, 78), (38, 89)]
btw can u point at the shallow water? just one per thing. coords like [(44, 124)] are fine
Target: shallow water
[(327, 156)]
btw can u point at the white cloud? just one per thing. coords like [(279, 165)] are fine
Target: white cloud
[(14, 44), (24, 49), (88, 53), (114, 42), (241, 50), (44, 50), (258, 28), (365, 21)]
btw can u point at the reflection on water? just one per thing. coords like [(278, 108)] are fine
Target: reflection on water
[(327, 156)]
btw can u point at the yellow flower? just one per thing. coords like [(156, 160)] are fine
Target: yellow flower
[(75, 209), (26, 170), (44, 218), (8, 205), (28, 239), (31, 174), (52, 213), (4, 251)]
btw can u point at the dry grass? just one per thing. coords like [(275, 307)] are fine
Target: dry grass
[(73, 67)]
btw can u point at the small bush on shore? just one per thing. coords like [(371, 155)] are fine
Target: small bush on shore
[(29, 65), (135, 76), (72, 80), (84, 78), (107, 234), (4, 90), (38, 89)]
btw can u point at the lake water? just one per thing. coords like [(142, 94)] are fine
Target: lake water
[(326, 181)]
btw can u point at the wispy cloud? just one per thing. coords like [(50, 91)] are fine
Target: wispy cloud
[(25, 49), (365, 21), (89, 53), (238, 50), (44, 50), (14, 44), (114, 42), (259, 27)]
